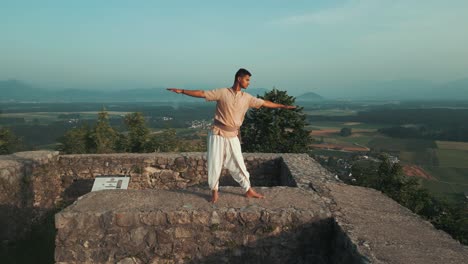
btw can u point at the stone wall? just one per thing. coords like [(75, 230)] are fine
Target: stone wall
[(37, 182), (182, 227), (165, 216), (28, 190), (162, 171)]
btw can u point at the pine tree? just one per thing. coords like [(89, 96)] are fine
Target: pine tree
[(166, 141), (77, 141), (138, 133), (276, 130), (104, 136), (9, 143)]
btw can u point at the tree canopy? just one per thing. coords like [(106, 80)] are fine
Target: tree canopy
[(275, 130)]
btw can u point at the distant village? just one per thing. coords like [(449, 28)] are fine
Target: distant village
[(342, 167)]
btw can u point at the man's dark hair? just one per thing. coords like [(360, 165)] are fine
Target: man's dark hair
[(241, 73)]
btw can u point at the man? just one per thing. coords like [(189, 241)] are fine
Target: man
[(223, 142)]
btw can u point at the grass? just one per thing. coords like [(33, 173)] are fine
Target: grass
[(452, 145), (446, 191), (427, 157), (339, 125), (452, 158), (333, 153), (45, 117), (361, 139), (457, 176), (331, 112), (397, 144), (449, 184)]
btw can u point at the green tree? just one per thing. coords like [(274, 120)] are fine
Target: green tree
[(9, 143), (104, 136), (166, 141), (77, 141), (138, 139), (345, 132), (276, 130), (389, 178)]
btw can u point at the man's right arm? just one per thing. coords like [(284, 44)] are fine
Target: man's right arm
[(193, 93)]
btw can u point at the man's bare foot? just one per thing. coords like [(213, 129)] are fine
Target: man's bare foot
[(214, 196), (253, 194)]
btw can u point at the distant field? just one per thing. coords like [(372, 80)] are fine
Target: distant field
[(445, 190), (426, 157), (53, 116), (361, 139), (452, 145), (334, 153), (339, 125), (397, 144), (331, 112), (457, 176), (452, 158), (449, 191)]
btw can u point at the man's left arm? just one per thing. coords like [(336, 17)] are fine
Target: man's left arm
[(269, 104)]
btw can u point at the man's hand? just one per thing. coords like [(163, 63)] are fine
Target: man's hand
[(269, 104), (289, 107), (175, 90), (193, 93)]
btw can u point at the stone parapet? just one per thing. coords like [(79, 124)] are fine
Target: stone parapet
[(26, 191), (179, 226)]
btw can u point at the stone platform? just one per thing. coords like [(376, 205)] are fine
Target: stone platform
[(165, 217), (387, 232), (163, 226)]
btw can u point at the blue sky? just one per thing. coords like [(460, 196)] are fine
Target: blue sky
[(293, 45)]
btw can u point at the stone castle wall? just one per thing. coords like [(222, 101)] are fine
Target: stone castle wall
[(164, 217), (34, 183), (168, 227)]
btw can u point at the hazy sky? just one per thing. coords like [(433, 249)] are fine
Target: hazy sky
[(294, 45)]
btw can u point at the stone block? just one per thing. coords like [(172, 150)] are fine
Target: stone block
[(125, 219), (215, 219), (164, 236), (137, 235), (179, 217), (181, 232), (154, 218), (231, 215), (201, 217)]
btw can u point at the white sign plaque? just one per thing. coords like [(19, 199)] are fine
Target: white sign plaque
[(110, 183)]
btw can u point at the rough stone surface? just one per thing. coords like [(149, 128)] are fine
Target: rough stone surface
[(27, 191), (389, 232), (196, 230), (164, 217)]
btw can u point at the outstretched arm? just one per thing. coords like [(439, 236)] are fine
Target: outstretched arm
[(193, 93), (270, 104)]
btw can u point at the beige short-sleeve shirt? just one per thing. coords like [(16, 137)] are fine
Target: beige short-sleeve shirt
[(231, 107)]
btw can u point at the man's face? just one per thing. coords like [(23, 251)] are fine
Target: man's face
[(244, 81)]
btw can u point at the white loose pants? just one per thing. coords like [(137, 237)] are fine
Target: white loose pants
[(227, 152)]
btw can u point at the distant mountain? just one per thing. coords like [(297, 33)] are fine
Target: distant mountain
[(387, 90), (310, 96), (452, 90), (14, 90), (399, 90)]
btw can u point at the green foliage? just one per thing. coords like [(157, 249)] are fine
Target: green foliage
[(138, 133), (388, 178), (345, 132), (9, 143), (276, 130), (76, 141), (104, 136), (166, 141)]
